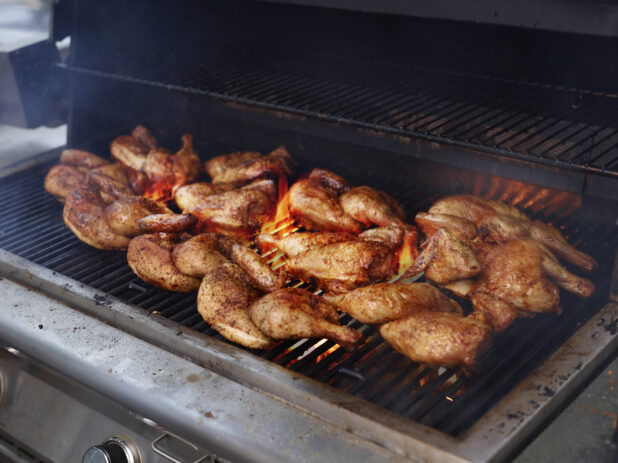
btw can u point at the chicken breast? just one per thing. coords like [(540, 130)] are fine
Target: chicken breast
[(198, 255), (297, 243), (63, 179), (372, 207), (123, 215)]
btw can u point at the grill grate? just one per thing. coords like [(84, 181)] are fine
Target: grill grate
[(558, 126), (445, 399)]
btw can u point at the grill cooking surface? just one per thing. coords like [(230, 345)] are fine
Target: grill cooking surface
[(445, 399), (552, 125)]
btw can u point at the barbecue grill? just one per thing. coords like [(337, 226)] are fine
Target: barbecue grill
[(82, 331)]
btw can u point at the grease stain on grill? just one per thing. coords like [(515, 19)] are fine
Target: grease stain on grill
[(102, 300), (192, 378)]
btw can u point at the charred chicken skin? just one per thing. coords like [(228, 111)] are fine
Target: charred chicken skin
[(498, 222), (344, 266), (385, 302), (296, 313), (150, 257), (438, 338), (223, 301), (242, 167)]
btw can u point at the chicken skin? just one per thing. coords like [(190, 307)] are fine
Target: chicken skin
[(79, 158), (385, 302), (166, 223), (463, 229), (390, 236), (150, 258), (344, 266), (372, 207), (63, 179), (198, 255), (84, 214), (223, 301), (189, 197), (445, 259), (498, 222), (330, 180), (262, 276), (317, 207), (123, 215), (296, 313), (438, 338), (297, 243), (242, 167)]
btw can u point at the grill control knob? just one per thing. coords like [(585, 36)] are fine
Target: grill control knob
[(113, 450)]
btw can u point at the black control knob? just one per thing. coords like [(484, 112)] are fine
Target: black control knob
[(114, 450)]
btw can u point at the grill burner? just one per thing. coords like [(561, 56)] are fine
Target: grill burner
[(552, 125), (444, 399)]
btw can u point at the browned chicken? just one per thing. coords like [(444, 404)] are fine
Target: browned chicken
[(189, 197), (430, 223), (372, 207), (109, 188), (391, 236), (330, 180), (296, 313), (79, 158), (438, 338), (262, 276), (84, 214), (198, 255), (150, 257), (297, 243), (344, 266), (445, 258), (385, 302), (242, 167), (223, 302), (166, 223), (236, 212), (63, 179), (498, 222), (123, 215), (317, 207), (130, 151)]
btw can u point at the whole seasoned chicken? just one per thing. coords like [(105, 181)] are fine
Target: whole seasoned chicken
[(198, 255), (242, 167), (498, 222), (445, 259), (292, 313), (344, 266), (262, 276), (223, 301), (316, 207), (438, 338), (84, 214), (385, 302), (123, 215), (150, 258), (372, 207), (297, 243)]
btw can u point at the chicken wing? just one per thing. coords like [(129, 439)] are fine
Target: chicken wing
[(84, 214), (385, 302), (296, 313), (150, 258), (438, 338), (262, 276), (242, 167), (316, 207), (223, 301), (344, 266), (370, 206)]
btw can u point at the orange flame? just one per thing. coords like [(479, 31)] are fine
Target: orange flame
[(161, 192), (409, 250), (327, 353), (282, 218)]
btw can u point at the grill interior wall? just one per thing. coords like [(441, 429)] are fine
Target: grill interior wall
[(444, 399)]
